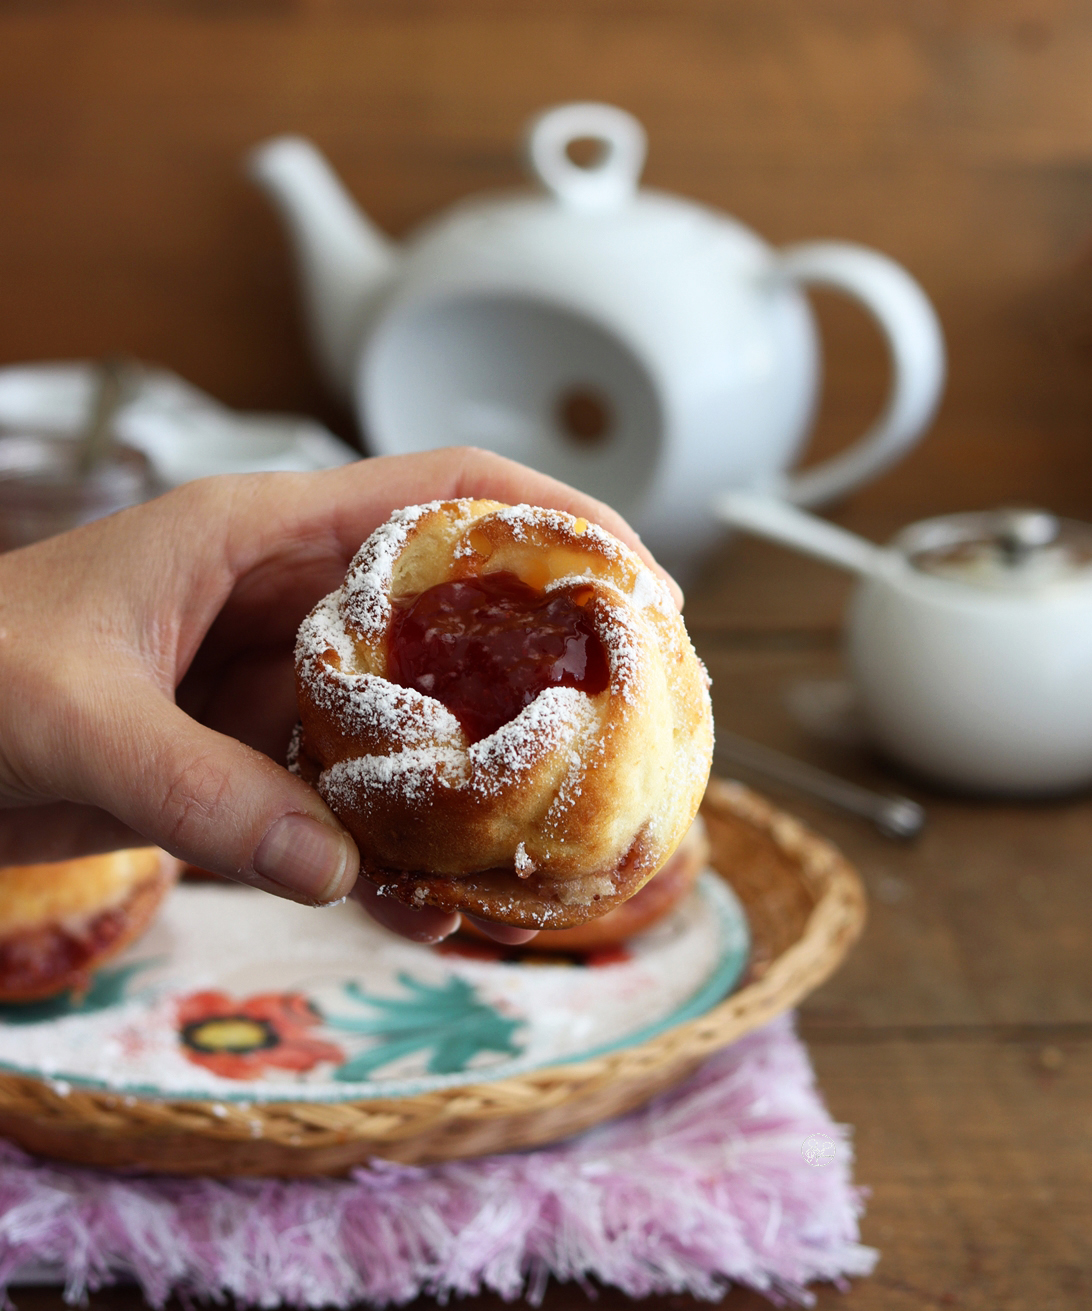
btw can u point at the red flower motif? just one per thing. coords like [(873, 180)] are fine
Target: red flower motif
[(240, 1039)]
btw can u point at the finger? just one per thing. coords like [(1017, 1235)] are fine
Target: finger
[(466, 471), (506, 934), (218, 804), (419, 924), (292, 536)]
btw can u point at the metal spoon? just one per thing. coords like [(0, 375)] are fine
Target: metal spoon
[(1023, 531), (112, 392), (895, 817)]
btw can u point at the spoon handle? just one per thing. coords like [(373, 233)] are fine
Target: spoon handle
[(769, 516), (895, 817), (110, 394)]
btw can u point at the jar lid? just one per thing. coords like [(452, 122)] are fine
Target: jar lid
[(1001, 550)]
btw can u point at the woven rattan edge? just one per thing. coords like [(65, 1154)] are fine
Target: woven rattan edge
[(615, 1081)]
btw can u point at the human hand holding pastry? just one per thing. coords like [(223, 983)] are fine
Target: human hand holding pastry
[(146, 689)]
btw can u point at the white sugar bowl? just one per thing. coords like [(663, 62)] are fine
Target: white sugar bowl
[(969, 641)]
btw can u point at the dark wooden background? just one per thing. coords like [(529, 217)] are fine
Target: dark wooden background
[(955, 136)]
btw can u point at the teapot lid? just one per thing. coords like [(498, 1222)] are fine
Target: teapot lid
[(1016, 550)]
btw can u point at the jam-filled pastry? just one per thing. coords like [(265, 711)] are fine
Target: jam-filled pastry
[(60, 921), (502, 705)]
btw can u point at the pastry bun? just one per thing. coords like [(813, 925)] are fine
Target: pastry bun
[(559, 814), (60, 921)]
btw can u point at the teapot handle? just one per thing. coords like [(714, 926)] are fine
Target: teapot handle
[(914, 338)]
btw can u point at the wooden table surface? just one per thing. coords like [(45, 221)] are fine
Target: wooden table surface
[(958, 137)]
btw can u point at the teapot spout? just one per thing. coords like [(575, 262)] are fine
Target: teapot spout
[(343, 259)]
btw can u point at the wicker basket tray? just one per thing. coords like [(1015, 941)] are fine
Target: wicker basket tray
[(805, 904)]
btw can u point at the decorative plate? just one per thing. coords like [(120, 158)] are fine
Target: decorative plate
[(247, 1036), (237, 996)]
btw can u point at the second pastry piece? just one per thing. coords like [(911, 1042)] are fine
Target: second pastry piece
[(502, 705)]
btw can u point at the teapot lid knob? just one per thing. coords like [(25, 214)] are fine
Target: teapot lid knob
[(611, 179)]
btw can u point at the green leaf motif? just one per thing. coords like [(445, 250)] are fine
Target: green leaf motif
[(107, 989), (449, 1021)]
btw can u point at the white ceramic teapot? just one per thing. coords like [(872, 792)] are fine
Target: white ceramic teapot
[(969, 640), (636, 344)]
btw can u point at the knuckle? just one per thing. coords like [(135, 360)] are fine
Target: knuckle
[(216, 499), (475, 460), (42, 715), (195, 795)]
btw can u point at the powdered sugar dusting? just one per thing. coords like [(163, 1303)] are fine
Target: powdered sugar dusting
[(558, 717), (411, 776), (323, 631), (651, 592), (366, 592), (623, 646), (525, 866), (292, 758), (376, 710), (523, 516), (366, 705), (568, 794)]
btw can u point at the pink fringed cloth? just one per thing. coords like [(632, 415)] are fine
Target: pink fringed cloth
[(737, 1176)]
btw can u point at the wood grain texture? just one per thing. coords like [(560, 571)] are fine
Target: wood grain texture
[(983, 922), (956, 137)]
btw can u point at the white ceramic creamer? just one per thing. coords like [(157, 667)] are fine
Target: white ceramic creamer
[(641, 346), (969, 640)]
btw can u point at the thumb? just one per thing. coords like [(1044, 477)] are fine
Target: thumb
[(214, 802)]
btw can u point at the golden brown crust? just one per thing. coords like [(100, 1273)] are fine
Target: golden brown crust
[(501, 896), (659, 896), (60, 922), (560, 814)]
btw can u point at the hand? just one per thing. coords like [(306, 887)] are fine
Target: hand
[(146, 684)]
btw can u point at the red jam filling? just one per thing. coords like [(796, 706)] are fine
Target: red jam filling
[(486, 647)]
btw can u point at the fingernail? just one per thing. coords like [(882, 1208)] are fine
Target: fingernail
[(507, 935), (306, 857)]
